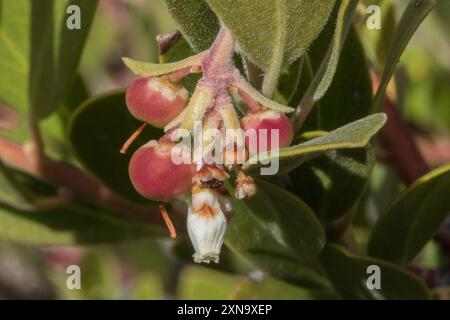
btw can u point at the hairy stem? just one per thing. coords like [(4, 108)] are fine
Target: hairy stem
[(218, 60)]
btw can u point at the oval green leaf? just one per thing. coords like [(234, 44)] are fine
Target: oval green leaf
[(271, 32), (241, 83), (413, 16), (157, 69), (348, 97), (352, 275), (98, 130), (55, 50), (38, 56), (327, 70), (278, 233), (332, 183), (353, 135), (196, 21), (412, 219)]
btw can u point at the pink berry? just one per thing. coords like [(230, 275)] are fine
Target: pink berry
[(269, 120), (156, 101), (155, 176)]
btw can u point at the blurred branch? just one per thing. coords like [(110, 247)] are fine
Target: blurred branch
[(72, 179), (9, 118), (435, 149), (397, 139), (401, 147)]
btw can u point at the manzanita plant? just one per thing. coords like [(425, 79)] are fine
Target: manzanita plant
[(254, 136), (161, 102)]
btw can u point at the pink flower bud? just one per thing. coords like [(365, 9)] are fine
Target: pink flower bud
[(262, 123), (155, 176), (156, 101)]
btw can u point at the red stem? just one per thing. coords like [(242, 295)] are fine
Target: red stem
[(399, 143), (78, 183), (401, 147)]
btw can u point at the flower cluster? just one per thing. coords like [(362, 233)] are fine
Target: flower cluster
[(158, 99)]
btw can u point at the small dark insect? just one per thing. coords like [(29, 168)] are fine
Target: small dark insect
[(213, 184)]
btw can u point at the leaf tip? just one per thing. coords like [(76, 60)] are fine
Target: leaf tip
[(127, 61), (383, 118), (131, 64), (289, 109)]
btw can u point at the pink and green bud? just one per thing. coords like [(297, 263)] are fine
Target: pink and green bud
[(155, 176), (156, 101), (261, 125)]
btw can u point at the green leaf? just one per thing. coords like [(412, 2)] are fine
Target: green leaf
[(325, 75), (196, 21), (54, 127), (71, 225), (273, 31), (278, 233), (354, 135), (14, 65), (413, 16), (14, 52), (349, 275), (384, 39), (158, 69), (76, 96), (98, 130), (349, 96), (20, 75), (55, 51), (290, 82), (412, 219), (242, 84), (332, 183), (104, 42)]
